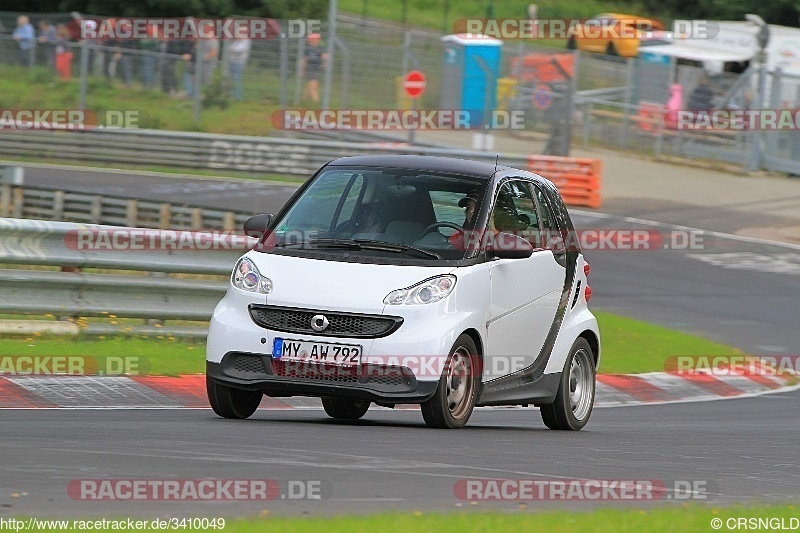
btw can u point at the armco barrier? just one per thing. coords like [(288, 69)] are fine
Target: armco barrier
[(257, 155), (577, 179), (42, 204), (140, 285)]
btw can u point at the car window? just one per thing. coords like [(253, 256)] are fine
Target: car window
[(397, 206), (320, 202), (549, 225), (445, 206), (515, 211), (356, 186)]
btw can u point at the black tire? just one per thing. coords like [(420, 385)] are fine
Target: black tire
[(228, 402), (565, 413), (345, 409), (611, 49), (571, 44), (451, 405)]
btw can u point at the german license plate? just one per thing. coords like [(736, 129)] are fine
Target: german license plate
[(317, 352)]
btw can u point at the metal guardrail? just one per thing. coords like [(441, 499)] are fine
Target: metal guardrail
[(145, 283), (43, 204), (209, 151)]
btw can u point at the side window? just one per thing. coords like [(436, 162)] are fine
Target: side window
[(549, 226), (515, 211)]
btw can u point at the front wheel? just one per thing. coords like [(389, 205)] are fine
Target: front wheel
[(575, 398), (344, 409), (228, 402), (455, 397)]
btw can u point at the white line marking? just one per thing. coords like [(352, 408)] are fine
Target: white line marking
[(646, 222)]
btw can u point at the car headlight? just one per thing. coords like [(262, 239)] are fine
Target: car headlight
[(247, 277), (425, 292)]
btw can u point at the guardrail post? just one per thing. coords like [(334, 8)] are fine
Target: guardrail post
[(132, 213), (197, 218), (96, 209), (18, 202), (5, 200), (228, 221), (58, 205), (164, 216)]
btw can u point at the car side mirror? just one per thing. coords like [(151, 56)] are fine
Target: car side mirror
[(255, 226), (509, 246)]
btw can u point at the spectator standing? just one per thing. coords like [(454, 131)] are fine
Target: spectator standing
[(171, 51), (63, 52), (188, 55), (237, 52), (25, 37), (150, 48), (48, 38), (208, 47), (313, 60)]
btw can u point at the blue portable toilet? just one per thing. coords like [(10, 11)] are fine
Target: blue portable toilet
[(469, 75)]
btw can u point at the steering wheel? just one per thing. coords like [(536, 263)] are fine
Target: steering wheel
[(437, 225)]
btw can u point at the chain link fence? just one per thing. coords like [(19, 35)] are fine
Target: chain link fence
[(567, 97)]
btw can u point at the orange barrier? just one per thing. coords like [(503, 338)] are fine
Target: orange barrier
[(577, 179)]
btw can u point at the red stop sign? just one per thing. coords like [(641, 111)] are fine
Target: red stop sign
[(414, 84)]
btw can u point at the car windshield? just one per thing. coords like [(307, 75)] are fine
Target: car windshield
[(383, 211)]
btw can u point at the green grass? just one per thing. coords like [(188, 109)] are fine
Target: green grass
[(667, 519), (20, 89), (629, 346), (431, 13), (162, 355), (632, 346), (683, 519)]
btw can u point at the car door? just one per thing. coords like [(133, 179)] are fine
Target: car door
[(524, 292)]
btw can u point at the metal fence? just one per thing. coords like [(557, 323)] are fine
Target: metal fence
[(211, 151), (568, 97), (156, 283), (35, 203)]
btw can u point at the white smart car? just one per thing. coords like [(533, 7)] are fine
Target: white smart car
[(392, 280)]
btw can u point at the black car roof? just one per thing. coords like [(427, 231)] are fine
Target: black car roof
[(423, 163)]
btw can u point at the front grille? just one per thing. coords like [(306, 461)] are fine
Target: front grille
[(249, 364), (294, 320)]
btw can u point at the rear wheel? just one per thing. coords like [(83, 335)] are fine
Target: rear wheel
[(228, 402), (611, 49), (571, 44), (575, 398), (455, 397), (344, 409)]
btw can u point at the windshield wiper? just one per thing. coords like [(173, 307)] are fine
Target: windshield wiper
[(395, 247), (368, 244)]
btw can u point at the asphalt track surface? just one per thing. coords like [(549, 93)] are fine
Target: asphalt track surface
[(742, 450), (736, 291)]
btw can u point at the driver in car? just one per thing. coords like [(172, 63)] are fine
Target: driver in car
[(470, 205)]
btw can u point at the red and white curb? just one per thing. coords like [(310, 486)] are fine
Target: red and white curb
[(164, 392)]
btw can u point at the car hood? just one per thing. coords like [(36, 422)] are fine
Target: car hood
[(336, 285)]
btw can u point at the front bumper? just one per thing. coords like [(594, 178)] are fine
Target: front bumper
[(378, 383)]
